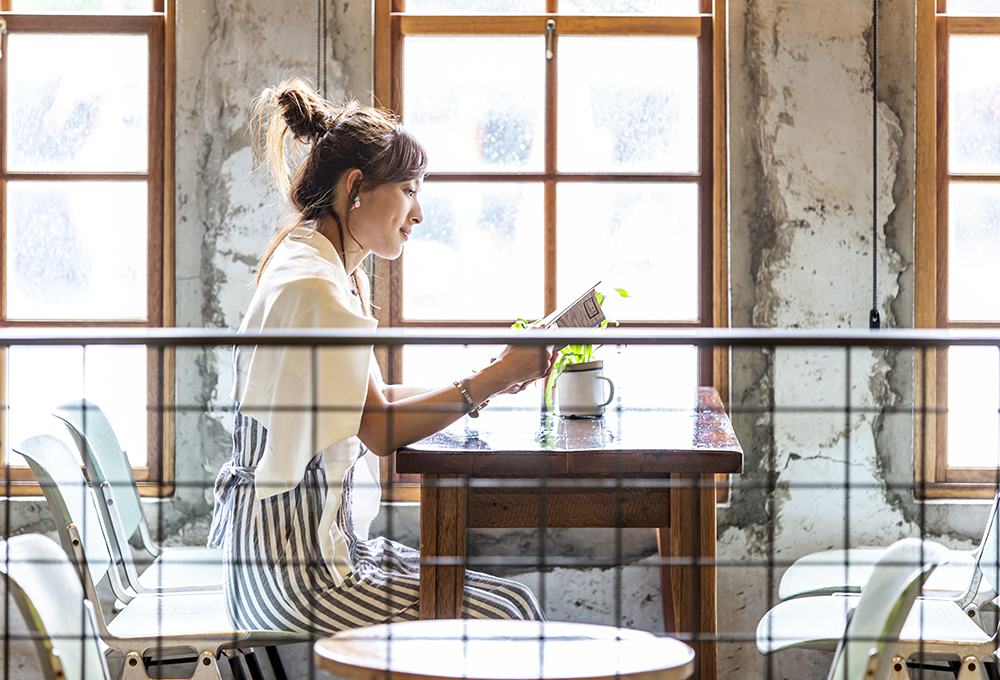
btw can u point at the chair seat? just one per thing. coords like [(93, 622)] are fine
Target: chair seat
[(184, 567), (454, 649), (848, 570), (819, 623), (185, 616)]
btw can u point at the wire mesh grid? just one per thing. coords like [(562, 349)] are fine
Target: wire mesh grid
[(730, 522)]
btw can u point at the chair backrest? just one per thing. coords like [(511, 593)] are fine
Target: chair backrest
[(47, 589), (988, 556), (867, 648), (70, 501), (105, 459)]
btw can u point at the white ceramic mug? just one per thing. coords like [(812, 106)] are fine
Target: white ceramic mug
[(580, 390)]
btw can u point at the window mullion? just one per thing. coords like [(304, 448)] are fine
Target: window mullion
[(551, 187)]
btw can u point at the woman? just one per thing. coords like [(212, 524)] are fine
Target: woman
[(294, 504)]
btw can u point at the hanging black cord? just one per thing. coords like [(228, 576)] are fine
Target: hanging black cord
[(319, 39), (874, 318), (325, 26), (321, 47)]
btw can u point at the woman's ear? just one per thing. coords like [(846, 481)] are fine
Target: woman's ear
[(354, 181)]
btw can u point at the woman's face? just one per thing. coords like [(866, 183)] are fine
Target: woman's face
[(386, 217)]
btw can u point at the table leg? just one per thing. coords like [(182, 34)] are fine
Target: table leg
[(443, 524), (692, 577), (666, 587)]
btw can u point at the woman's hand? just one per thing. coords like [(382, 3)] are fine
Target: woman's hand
[(522, 365)]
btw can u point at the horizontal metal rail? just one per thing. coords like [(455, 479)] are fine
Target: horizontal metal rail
[(394, 337)]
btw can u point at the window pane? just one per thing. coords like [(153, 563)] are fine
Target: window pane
[(77, 102), (643, 238), (973, 7), (114, 378), (651, 7), (617, 113), (644, 376), (651, 376), (477, 255), (76, 250), (973, 90), (429, 365), (474, 6), (477, 103), (973, 251), (101, 6), (973, 402)]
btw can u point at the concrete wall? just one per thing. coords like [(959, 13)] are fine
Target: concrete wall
[(801, 237), (800, 233)]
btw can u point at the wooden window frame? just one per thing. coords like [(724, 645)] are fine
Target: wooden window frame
[(156, 477), (934, 478), (392, 24)]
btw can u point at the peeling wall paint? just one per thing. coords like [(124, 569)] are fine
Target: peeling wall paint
[(801, 257)]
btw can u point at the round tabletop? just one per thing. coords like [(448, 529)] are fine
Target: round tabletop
[(502, 650)]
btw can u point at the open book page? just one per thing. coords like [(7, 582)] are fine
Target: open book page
[(584, 312)]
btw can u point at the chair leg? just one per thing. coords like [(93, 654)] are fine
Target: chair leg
[(253, 665), (235, 665), (279, 668)]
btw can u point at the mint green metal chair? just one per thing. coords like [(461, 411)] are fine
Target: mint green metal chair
[(109, 469), (61, 621), (147, 624)]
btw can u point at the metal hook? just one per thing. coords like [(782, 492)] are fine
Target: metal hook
[(550, 32), (3, 30)]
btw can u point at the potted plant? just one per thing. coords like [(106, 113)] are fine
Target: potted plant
[(573, 357)]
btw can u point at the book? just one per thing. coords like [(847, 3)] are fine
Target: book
[(583, 312)]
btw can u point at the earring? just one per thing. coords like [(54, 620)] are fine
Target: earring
[(357, 203)]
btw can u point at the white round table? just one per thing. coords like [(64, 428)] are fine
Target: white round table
[(502, 650)]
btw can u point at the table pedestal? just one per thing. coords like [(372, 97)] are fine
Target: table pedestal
[(683, 510)]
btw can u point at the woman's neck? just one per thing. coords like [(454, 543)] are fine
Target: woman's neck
[(327, 226)]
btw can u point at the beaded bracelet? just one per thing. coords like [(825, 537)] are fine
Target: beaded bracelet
[(473, 409)]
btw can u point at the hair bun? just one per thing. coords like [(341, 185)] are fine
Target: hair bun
[(304, 113)]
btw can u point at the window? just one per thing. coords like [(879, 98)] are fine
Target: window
[(570, 142), (958, 240), (84, 213)]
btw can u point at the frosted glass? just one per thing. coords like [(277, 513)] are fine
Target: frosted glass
[(78, 103), (477, 103), (76, 250), (475, 6), (973, 90), (644, 376), (650, 7), (113, 377), (477, 255), (973, 7), (643, 238), (102, 6), (628, 104), (973, 403), (973, 251), (434, 366)]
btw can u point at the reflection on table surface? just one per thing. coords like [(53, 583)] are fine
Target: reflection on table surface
[(666, 439)]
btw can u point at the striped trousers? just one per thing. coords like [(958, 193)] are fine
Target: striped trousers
[(277, 579)]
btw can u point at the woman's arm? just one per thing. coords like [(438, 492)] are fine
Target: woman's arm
[(396, 418), (396, 392)]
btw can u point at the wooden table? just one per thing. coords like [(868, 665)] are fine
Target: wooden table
[(629, 468), (501, 650)]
